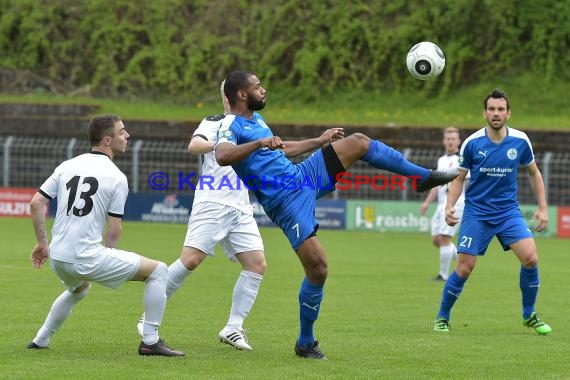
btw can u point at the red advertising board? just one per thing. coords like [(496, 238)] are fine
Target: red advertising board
[(15, 201), (563, 221)]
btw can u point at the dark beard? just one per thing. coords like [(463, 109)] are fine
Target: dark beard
[(255, 105)]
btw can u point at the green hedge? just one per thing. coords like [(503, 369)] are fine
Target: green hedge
[(179, 48)]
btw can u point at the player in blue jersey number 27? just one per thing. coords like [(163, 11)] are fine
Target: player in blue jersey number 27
[(289, 195), (492, 155)]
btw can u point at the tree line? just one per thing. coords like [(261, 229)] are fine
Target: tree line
[(183, 48)]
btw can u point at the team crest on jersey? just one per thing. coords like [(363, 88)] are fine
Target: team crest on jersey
[(460, 160), (512, 153), (224, 134), (262, 123)]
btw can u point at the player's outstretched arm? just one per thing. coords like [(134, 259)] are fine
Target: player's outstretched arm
[(295, 148), (228, 153), (40, 252)]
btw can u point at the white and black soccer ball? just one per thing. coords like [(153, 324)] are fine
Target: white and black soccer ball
[(425, 60)]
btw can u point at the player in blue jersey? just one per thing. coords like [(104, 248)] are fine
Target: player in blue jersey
[(288, 192), (493, 155)]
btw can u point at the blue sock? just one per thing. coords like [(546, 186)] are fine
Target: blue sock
[(310, 297), (381, 156), (529, 283), (451, 291)]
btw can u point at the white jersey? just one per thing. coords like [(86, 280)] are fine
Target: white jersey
[(88, 188), (219, 184), (448, 162)]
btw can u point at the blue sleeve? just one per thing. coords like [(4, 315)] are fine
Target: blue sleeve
[(527, 156)]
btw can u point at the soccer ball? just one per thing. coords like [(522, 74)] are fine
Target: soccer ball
[(425, 60)]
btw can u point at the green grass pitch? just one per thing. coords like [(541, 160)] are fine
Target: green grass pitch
[(375, 321)]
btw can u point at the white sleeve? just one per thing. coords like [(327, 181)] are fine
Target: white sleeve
[(117, 206), (202, 130), (208, 127), (49, 188)]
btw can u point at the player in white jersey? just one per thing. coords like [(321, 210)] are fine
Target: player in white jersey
[(221, 213), (492, 156), (441, 232), (91, 192)]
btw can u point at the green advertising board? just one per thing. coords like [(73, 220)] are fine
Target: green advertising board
[(394, 216), (387, 216)]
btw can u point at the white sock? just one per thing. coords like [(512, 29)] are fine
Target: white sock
[(177, 273), (245, 292), (154, 302), (454, 251), (445, 258), (60, 311)]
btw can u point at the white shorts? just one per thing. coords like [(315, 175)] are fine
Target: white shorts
[(438, 225), (114, 268), (212, 223)]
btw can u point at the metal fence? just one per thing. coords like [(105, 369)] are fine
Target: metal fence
[(28, 161)]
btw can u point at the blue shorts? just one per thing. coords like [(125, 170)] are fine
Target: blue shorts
[(475, 235), (295, 214)]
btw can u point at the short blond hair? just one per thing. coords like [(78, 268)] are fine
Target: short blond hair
[(227, 108), (451, 130)]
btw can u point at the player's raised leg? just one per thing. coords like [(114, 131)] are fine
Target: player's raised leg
[(379, 155)]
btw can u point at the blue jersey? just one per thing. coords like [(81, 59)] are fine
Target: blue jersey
[(268, 173), (493, 190)]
